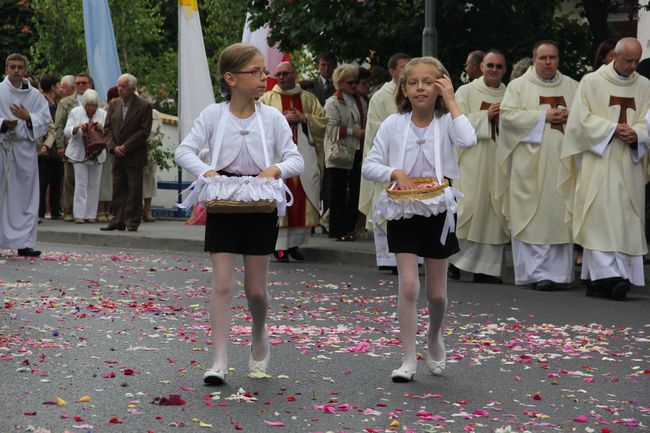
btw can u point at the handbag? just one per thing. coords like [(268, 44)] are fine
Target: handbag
[(338, 152), (94, 142)]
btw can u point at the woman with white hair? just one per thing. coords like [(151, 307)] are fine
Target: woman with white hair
[(87, 163)]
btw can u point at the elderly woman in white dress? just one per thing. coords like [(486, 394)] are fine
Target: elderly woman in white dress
[(87, 166)]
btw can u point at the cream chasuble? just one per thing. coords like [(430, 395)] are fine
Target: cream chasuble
[(529, 164), (603, 177), (479, 213), (482, 229), (382, 104), (306, 188)]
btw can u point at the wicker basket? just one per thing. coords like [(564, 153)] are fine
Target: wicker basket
[(234, 206), (418, 194)]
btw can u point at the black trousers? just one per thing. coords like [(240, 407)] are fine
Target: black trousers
[(344, 197), (127, 193), (50, 172)]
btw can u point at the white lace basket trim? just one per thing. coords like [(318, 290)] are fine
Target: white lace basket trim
[(244, 188), (390, 209)]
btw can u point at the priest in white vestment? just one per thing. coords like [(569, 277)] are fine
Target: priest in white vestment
[(307, 119), (605, 169), (531, 131), (24, 118), (481, 228), (382, 104)]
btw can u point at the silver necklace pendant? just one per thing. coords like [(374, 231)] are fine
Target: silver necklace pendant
[(421, 141), (244, 132)]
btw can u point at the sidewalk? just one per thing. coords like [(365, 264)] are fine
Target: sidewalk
[(175, 235)]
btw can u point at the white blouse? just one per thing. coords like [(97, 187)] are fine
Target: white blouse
[(243, 163), (277, 132), (418, 158), (75, 151)]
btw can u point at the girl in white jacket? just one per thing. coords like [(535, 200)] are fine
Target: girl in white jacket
[(244, 138), (405, 148)]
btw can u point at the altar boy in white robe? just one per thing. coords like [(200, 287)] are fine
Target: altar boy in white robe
[(605, 169), (24, 118), (533, 114)]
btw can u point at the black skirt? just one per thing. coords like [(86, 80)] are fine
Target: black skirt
[(421, 236), (252, 234)]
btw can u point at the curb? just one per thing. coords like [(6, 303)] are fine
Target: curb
[(314, 253)]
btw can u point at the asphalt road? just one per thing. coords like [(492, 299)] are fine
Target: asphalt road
[(111, 333)]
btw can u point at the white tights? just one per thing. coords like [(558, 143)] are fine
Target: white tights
[(408, 292), (256, 269)]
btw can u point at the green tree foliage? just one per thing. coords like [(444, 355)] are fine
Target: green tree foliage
[(354, 29), (350, 29), (223, 24), (58, 46), (16, 32), (597, 11)]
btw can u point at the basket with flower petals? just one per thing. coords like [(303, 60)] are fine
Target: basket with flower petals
[(425, 187)]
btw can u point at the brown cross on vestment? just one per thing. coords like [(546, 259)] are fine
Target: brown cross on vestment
[(554, 102), (493, 124), (625, 103)]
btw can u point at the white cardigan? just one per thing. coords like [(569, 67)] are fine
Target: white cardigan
[(203, 134), (75, 150), (386, 152)]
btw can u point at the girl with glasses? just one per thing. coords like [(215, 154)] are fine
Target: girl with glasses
[(244, 138)]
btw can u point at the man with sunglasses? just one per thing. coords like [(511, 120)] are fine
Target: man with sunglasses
[(83, 82), (307, 119), (24, 118), (532, 123), (481, 229)]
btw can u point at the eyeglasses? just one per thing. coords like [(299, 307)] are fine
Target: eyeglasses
[(494, 65), (283, 74), (255, 73)]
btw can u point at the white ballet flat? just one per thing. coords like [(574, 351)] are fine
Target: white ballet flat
[(214, 377), (259, 366), (436, 367), (402, 375)]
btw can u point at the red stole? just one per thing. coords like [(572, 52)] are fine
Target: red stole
[(296, 212), (292, 102)]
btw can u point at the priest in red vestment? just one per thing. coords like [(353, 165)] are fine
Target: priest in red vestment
[(307, 119)]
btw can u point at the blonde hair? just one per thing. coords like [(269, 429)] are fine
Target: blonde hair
[(232, 59), (344, 72), (520, 68), (403, 103)]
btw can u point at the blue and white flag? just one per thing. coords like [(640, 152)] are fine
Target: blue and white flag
[(103, 62)]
